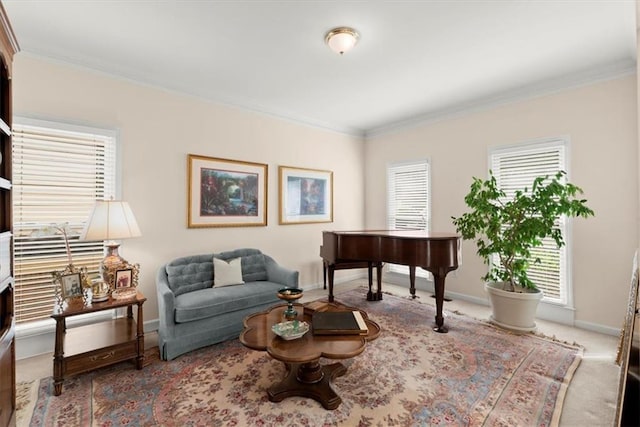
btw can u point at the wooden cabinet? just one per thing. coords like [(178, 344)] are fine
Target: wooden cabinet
[(8, 47), (628, 406), (84, 348)]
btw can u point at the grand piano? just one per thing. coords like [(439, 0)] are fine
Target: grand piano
[(438, 253)]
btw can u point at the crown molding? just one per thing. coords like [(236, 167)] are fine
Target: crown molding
[(543, 88)]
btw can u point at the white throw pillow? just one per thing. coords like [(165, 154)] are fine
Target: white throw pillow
[(227, 273)]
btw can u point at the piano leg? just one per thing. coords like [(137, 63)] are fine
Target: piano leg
[(331, 269), (379, 279), (375, 296), (412, 281), (324, 275), (370, 294), (439, 287)]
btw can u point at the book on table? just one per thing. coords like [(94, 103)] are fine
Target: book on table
[(338, 323)]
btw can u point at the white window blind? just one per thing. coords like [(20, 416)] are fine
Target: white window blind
[(516, 168), (408, 206), (57, 176)]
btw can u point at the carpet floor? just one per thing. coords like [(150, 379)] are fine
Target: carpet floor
[(410, 376)]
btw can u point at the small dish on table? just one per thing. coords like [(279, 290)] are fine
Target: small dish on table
[(291, 329)]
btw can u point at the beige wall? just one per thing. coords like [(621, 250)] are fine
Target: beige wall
[(600, 120), (157, 129)]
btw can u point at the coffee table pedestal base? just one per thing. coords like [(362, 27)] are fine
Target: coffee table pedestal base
[(310, 380)]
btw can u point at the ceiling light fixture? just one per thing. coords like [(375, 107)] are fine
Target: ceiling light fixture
[(341, 39)]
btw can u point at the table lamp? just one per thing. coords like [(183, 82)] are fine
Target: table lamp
[(110, 220)]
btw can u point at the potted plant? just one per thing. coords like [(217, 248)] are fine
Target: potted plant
[(506, 230)]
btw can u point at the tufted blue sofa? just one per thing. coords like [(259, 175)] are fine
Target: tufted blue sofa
[(193, 314)]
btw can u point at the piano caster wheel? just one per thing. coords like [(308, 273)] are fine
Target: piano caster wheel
[(441, 329)]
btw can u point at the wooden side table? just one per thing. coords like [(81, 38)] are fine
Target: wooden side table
[(85, 348)]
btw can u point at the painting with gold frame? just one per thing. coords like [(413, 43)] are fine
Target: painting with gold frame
[(226, 193), (306, 195)]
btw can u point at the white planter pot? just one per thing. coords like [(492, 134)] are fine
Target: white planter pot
[(513, 310)]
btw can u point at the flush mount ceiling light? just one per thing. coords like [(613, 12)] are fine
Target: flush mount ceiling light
[(341, 39)]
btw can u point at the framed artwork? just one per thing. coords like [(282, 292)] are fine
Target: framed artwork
[(306, 195), (71, 285), (124, 278), (226, 193)]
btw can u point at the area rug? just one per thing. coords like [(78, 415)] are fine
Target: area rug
[(410, 376)]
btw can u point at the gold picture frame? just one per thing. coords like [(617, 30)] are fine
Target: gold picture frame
[(226, 193), (305, 195), (70, 282), (113, 274)]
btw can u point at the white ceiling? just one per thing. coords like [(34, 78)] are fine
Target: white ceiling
[(416, 60)]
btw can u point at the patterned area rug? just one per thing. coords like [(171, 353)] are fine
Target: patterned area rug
[(410, 376)]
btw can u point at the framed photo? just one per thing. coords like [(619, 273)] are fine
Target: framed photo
[(226, 193), (306, 195), (71, 285), (124, 279), (122, 275)]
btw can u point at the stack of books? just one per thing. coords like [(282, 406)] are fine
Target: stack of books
[(338, 323)]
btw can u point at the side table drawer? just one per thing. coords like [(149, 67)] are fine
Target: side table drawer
[(101, 357)]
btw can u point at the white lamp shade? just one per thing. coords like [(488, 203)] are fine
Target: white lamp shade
[(342, 39), (109, 220)]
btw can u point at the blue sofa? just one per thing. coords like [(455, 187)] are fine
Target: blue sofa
[(193, 313)]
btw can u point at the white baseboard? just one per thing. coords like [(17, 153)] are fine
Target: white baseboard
[(546, 311), (606, 330)]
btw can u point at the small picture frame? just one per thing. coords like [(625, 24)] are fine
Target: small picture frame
[(118, 270), (124, 278), (71, 285)]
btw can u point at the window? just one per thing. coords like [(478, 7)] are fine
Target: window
[(516, 167), (408, 206), (58, 173)]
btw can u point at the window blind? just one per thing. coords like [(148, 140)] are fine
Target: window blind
[(57, 176), (408, 201), (516, 168)]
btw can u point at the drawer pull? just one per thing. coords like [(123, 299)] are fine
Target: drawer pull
[(106, 356)]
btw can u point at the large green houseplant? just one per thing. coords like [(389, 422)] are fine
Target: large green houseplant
[(510, 227)]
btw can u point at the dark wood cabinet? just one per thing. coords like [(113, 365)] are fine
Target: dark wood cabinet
[(8, 48), (628, 406)]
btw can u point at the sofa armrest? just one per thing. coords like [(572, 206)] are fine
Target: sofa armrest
[(166, 302), (279, 274)]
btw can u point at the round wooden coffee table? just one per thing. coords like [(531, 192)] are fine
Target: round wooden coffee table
[(305, 376)]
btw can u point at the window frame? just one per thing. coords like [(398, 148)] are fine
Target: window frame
[(426, 162), (562, 143), (38, 326)]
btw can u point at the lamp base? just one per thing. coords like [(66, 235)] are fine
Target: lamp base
[(111, 263)]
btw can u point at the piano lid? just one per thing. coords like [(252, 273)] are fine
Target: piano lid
[(406, 234)]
